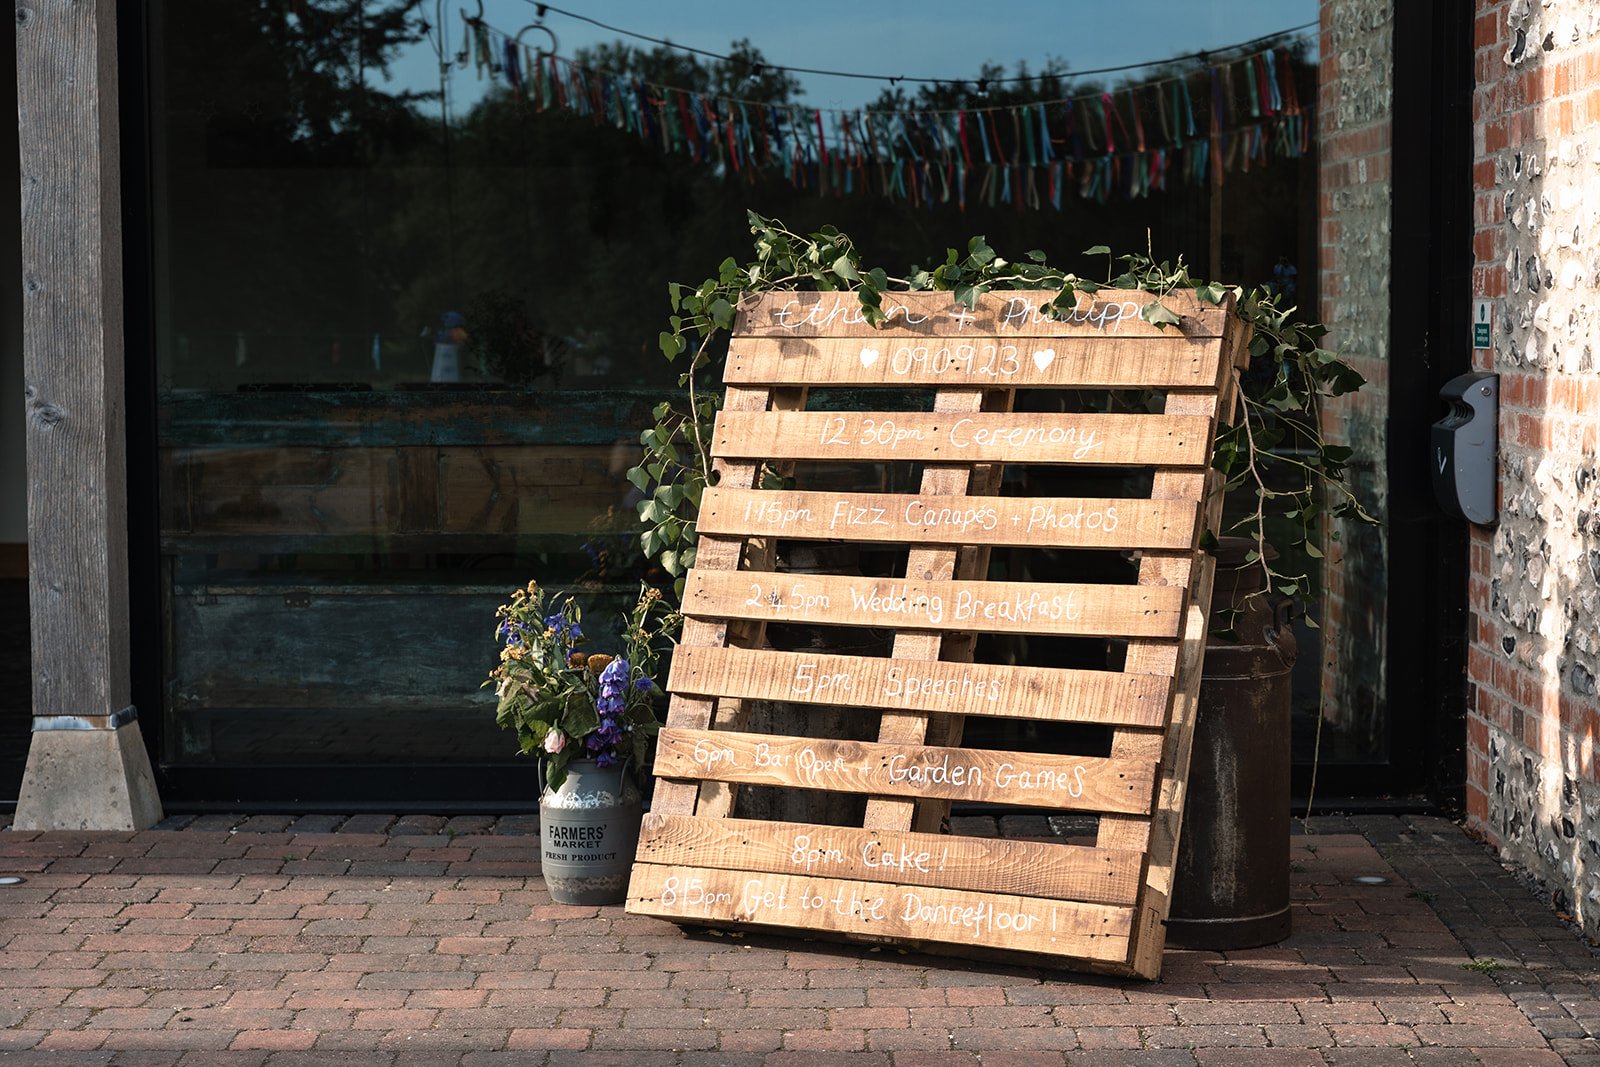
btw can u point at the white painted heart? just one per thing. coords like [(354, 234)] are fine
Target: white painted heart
[(869, 356), (1044, 357)]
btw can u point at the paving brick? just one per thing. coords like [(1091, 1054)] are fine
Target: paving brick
[(1497, 1057), (71, 1040), (1469, 1035), (1258, 1057), (1108, 1037), (1143, 1058), (825, 1040), (651, 1039), (981, 1037), (1204, 1036), (274, 1039), (753, 1040), (549, 1038), (1298, 1035)]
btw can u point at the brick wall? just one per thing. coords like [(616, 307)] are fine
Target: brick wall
[(1355, 105), (1533, 786)]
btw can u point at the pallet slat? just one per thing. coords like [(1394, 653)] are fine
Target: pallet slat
[(1070, 783), (1028, 868), (1036, 437), (1170, 361), (1098, 316), (1046, 694), (877, 909), (1067, 609), (1036, 522)]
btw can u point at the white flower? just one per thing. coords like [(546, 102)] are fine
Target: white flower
[(555, 741)]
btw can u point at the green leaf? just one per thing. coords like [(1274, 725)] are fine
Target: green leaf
[(845, 269), (1035, 255), (1097, 250), (979, 251), (1157, 315), (671, 345), (639, 478)]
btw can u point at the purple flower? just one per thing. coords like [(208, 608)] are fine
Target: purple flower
[(567, 631), (606, 759), (643, 685), (616, 673)]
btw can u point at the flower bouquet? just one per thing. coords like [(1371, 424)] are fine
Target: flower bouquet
[(565, 703)]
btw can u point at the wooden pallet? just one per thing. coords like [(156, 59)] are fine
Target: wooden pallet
[(895, 877)]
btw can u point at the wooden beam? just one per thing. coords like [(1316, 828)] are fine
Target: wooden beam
[(72, 331), (67, 126)]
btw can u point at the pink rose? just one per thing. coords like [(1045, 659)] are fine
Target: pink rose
[(555, 741)]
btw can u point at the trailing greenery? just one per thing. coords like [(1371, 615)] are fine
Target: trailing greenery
[(1275, 457)]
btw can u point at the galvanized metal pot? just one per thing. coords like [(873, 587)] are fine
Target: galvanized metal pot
[(590, 831), (1232, 884)]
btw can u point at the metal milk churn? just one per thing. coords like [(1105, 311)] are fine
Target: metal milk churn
[(1231, 890), (590, 832)]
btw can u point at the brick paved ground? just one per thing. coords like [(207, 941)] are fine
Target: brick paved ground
[(416, 941)]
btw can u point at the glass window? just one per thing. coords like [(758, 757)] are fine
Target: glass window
[(409, 272)]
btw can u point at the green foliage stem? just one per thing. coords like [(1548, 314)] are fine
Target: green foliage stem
[(1275, 456)]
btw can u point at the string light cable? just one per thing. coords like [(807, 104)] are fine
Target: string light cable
[(543, 9)]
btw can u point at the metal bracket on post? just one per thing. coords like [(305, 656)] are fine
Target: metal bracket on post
[(114, 721)]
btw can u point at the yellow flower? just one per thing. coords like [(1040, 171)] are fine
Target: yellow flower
[(599, 662)]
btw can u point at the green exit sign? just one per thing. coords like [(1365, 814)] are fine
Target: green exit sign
[(1482, 316)]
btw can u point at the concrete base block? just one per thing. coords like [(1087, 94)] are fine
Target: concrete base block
[(88, 780)]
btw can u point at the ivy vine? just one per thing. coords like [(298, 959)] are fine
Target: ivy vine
[(1275, 458)]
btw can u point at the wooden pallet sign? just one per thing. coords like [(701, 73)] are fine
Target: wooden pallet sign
[(989, 436)]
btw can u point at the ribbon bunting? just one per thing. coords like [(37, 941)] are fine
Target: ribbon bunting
[(1126, 143)]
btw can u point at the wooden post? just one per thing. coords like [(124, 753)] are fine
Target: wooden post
[(87, 766)]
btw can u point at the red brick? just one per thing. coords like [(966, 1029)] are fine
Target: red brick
[(74, 1040), (393, 1019), (548, 1038), (274, 1039), (825, 1040)]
